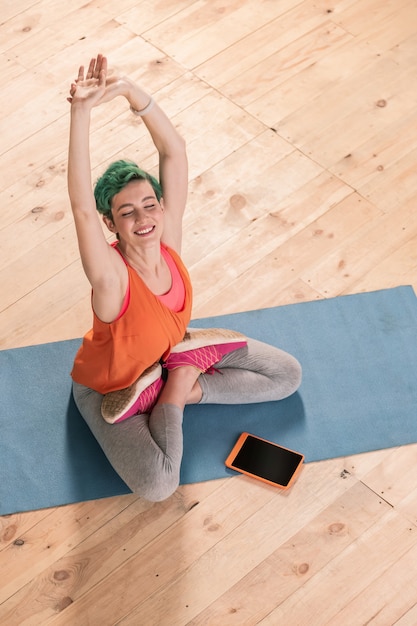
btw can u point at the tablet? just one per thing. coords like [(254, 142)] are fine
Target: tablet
[(265, 460)]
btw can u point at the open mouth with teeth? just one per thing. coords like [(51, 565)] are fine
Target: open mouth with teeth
[(145, 231)]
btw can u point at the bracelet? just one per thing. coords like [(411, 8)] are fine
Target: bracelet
[(144, 111)]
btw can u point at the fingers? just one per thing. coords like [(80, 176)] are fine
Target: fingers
[(97, 71), (103, 71), (96, 66), (90, 71), (99, 64), (73, 88)]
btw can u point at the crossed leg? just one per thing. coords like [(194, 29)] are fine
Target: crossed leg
[(146, 450)]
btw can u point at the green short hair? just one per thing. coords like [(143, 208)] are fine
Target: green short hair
[(115, 178)]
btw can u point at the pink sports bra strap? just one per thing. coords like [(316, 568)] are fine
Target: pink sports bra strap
[(175, 297)]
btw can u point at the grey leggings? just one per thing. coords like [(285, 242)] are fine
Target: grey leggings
[(146, 450)]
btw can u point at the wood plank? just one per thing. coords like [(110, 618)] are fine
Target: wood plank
[(320, 237), (52, 537), (28, 320), (387, 598), (230, 128), (359, 565), (76, 318), (141, 16), (10, 8), (390, 22), (287, 569), (14, 526), (371, 100), (171, 553), (330, 72), (9, 68), (362, 464), (274, 36), (237, 596), (51, 39), (35, 201), (409, 618), (280, 66), (309, 82), (294, 292), (237, 191), (247, 511), (54, 578), (396, 185), (33, 19), (269, 208), (391, 479), (44, 261), (368, 247), (364, 165), (398, 268), (206, 27)]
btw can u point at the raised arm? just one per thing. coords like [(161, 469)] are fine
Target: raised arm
[(173, 165), (97, 87), (101, 264)]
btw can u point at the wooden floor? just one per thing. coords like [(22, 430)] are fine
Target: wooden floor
[(301, 122)]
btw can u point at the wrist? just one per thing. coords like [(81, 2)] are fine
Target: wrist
[(137, 98), (124, 87), (80, 108), (145, 110)]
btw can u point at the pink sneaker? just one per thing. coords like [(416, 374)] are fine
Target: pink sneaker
[(140, 397), (204, 348)]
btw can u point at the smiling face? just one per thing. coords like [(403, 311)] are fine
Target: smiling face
[(137, 214)]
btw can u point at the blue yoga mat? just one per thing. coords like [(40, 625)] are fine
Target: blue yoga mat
[(359, 393)]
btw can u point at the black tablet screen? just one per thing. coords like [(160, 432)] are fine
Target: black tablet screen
[(267, 461)]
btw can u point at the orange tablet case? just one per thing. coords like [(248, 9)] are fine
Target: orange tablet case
[(239, 444)]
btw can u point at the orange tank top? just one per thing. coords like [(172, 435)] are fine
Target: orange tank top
[(113, 355)]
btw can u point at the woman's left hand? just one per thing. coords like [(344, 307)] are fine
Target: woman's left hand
[(98, 86), (89, 89)]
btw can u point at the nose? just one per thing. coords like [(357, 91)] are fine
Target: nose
[(140, 214)]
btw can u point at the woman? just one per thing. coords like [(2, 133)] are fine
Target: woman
[(139, 366)]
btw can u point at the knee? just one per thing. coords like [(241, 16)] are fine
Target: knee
[(155, 490), (290, 377), (296, 374)]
